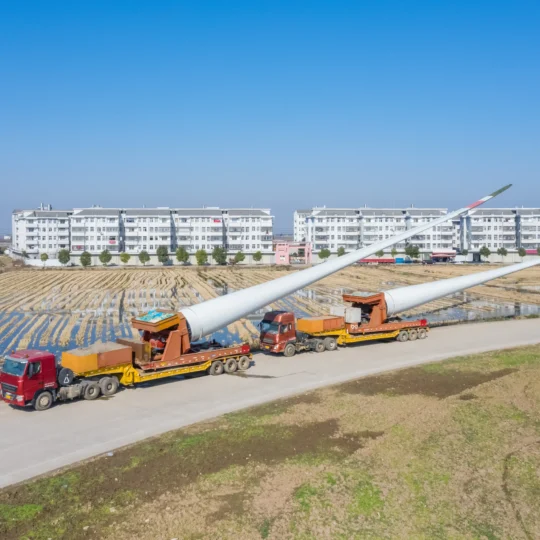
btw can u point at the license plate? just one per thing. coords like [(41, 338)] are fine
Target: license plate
[(7, 395)]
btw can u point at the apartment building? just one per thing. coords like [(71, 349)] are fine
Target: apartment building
[(40, 231), (133, 230), (509, 228), (352, 228)]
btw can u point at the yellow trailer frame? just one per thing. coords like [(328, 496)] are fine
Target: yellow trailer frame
[(128, 375), (343, 337)]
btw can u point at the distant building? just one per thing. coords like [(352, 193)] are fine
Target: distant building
[(133, 230), (353, 228)]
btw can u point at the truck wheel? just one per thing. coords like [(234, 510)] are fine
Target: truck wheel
[(43, 401), (231, 365), (330, 344), (319, 346), (216, 368), (244, 363), (91, 391), (108, 386), (422, 333), (403, 336), (290, 350), (413, 335)]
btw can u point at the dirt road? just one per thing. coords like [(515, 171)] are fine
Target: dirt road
[(34, 443)]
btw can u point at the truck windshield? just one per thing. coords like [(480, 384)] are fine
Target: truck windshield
[(14, 366), (269, 327)]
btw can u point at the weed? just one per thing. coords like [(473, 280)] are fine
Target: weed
[(304, 495)]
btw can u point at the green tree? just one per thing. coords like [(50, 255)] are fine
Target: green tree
[(257, 256), (124, 257), (24, 254), (503, 252), (201, 257), (340, 251), (485, 252), (1, 250), (465, 252), (219, 255), (324, 254), (105, 257), (412, 251), (380, 253), (182, 255), (144, 257), (86, 259), (522, 252), (162, 254), (393, 252), (538, 250), (239, 257), (63, 256), (44, 258)]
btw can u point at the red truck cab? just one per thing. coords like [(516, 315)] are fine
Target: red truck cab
[(25, 375), (278, 328)]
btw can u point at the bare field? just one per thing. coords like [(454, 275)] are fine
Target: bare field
[(446, 450), (68, 308)]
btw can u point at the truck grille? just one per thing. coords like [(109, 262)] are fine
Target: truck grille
[(268, 340), (8, 388)]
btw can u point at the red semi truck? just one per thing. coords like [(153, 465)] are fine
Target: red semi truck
[(365, 320), (37, 379)]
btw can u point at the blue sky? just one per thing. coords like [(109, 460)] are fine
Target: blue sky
[(280, 104)]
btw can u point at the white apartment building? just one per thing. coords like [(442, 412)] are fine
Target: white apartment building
[(509, 228), (40, 231), (133, 230), (352, 228)]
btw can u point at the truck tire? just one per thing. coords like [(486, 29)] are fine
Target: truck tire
[(91, 391), (109, 386), (290, 350), (422, 333), (216, 368), (65, 377), (43, 401), (330, 344), (319, 346), (413, 334), (244, 363), (231, 365), (403, 336)]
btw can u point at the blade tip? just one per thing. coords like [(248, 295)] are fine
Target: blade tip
[(501, 190)]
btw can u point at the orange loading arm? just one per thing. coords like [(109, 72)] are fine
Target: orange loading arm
[(178, 342), (377, 303)]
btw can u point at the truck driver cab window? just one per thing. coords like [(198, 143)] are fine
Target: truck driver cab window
[(34, 369)]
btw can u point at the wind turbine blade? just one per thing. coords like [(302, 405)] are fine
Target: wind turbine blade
[(212, 315)]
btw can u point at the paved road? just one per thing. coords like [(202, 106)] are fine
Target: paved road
[(34, 443)]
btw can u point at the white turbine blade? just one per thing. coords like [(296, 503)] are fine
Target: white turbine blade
[(212, 315), (404, 298)]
